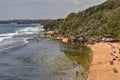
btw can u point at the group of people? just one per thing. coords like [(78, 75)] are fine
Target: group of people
[(114, 56), (77, 73)]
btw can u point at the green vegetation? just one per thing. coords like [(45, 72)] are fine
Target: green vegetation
[(94, 21), (52, 24)]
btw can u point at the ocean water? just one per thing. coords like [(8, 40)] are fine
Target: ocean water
[(24, 56)]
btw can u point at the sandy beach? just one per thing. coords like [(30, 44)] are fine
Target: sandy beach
[(101, 67)]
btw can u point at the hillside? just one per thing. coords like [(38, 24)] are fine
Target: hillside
[(94, 21)]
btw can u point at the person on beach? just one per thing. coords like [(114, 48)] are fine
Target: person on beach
[(112, 54), (111, 62), (119, 60), (119, 50), (114, 58), (113, 47), (114, 51), (77, 74), (79, 64), (74, 65), (60, 78), (115, 70)]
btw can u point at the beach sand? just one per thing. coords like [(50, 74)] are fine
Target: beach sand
[(101, 69)]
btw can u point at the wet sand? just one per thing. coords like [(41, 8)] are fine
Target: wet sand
[(101, 69)]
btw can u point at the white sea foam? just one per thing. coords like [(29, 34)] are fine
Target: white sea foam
[(30, 30), (9, 44), (7, 36), (18, 38), (22, 31)]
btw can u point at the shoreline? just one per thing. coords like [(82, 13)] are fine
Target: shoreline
[(101, 69), (78, 68)]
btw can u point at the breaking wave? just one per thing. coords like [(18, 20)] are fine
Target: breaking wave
[(19, 37), (22, 31)]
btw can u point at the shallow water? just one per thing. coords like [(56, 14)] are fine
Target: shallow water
[(41, 59)]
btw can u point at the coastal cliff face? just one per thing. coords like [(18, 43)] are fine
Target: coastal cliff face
[(92, 23)]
